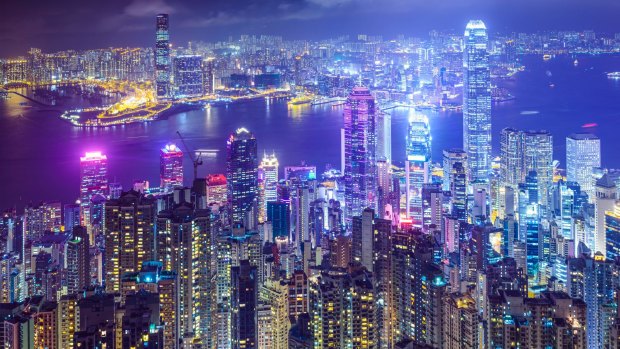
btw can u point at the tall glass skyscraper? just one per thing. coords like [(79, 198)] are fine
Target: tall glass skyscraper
[(538, 156), (267, 183), (360, 152), (162, 58), (93, 181), (188, 76), (171, 166), (583, 153), (417, 166), (242, 175), (477, 101)]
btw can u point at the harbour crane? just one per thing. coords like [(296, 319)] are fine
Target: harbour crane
[(196, 160)]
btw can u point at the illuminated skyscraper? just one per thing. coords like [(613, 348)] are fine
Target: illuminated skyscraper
[(129, 236), (538, 156), (244, 295), (511, 172), (93, 181), (78, 261), (417, 165), (450, 157), (162, 58), (612, 232), (171, 166), (606, 196), (477, 101), (188, 76), (216, 189), (208, 77), (384, 137), (360, 152), (267, 183), (583, 153), (242, 176)]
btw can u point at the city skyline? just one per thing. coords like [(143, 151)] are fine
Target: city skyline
[(459, 190), (123, 23)]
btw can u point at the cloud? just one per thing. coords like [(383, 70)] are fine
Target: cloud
[(147, 8)]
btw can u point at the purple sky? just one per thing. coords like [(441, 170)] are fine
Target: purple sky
[(79, 24)]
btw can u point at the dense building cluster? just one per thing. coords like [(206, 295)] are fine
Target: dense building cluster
[(466, 251)]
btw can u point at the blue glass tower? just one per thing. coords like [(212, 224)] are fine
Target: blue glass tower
[(477, 101), (242, 176)]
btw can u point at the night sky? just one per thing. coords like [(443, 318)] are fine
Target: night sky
[(82, 24)]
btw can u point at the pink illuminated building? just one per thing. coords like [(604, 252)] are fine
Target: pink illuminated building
[(93, 181), (171, 166)]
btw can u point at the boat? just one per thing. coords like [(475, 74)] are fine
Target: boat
[(546, 57), (614, 75), (576, 63)]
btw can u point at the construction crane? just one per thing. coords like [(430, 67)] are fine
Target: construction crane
[(196, 160)]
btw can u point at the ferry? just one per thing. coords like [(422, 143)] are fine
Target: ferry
[(546, 57), (614, 75)]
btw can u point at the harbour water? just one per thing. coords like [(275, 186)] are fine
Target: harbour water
[(39, 152)]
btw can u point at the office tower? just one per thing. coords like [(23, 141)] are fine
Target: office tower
[(538, 156), (384, 137), (208, 77), (93, 181), (279, 213), (187, 75), (78, 261), (432, 207), (71, 215), (185, 245), (171, 167), (267, 183), (606, 194), (362, 239), (244, 296), (274, 299), (129, 240), (477, 101), (216, 189), (417, 165), (162, 58), (450, 158), (340, 254), (612, 232), (583, 153), (511, 171), (242, 175), (360, 143), (460, 322), (301, 215), (153, 279), (458, 192)]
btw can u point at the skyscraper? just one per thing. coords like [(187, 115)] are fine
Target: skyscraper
[(538, 156), (244, 296), (242, 175), (477, 101), (450, 157), (162, 58), (267, 183), (360, 152), (78, 261), (417, 165), (583, 153), (511, 172), (171, 166), (129, 239), (188, 76), (93, 181)]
